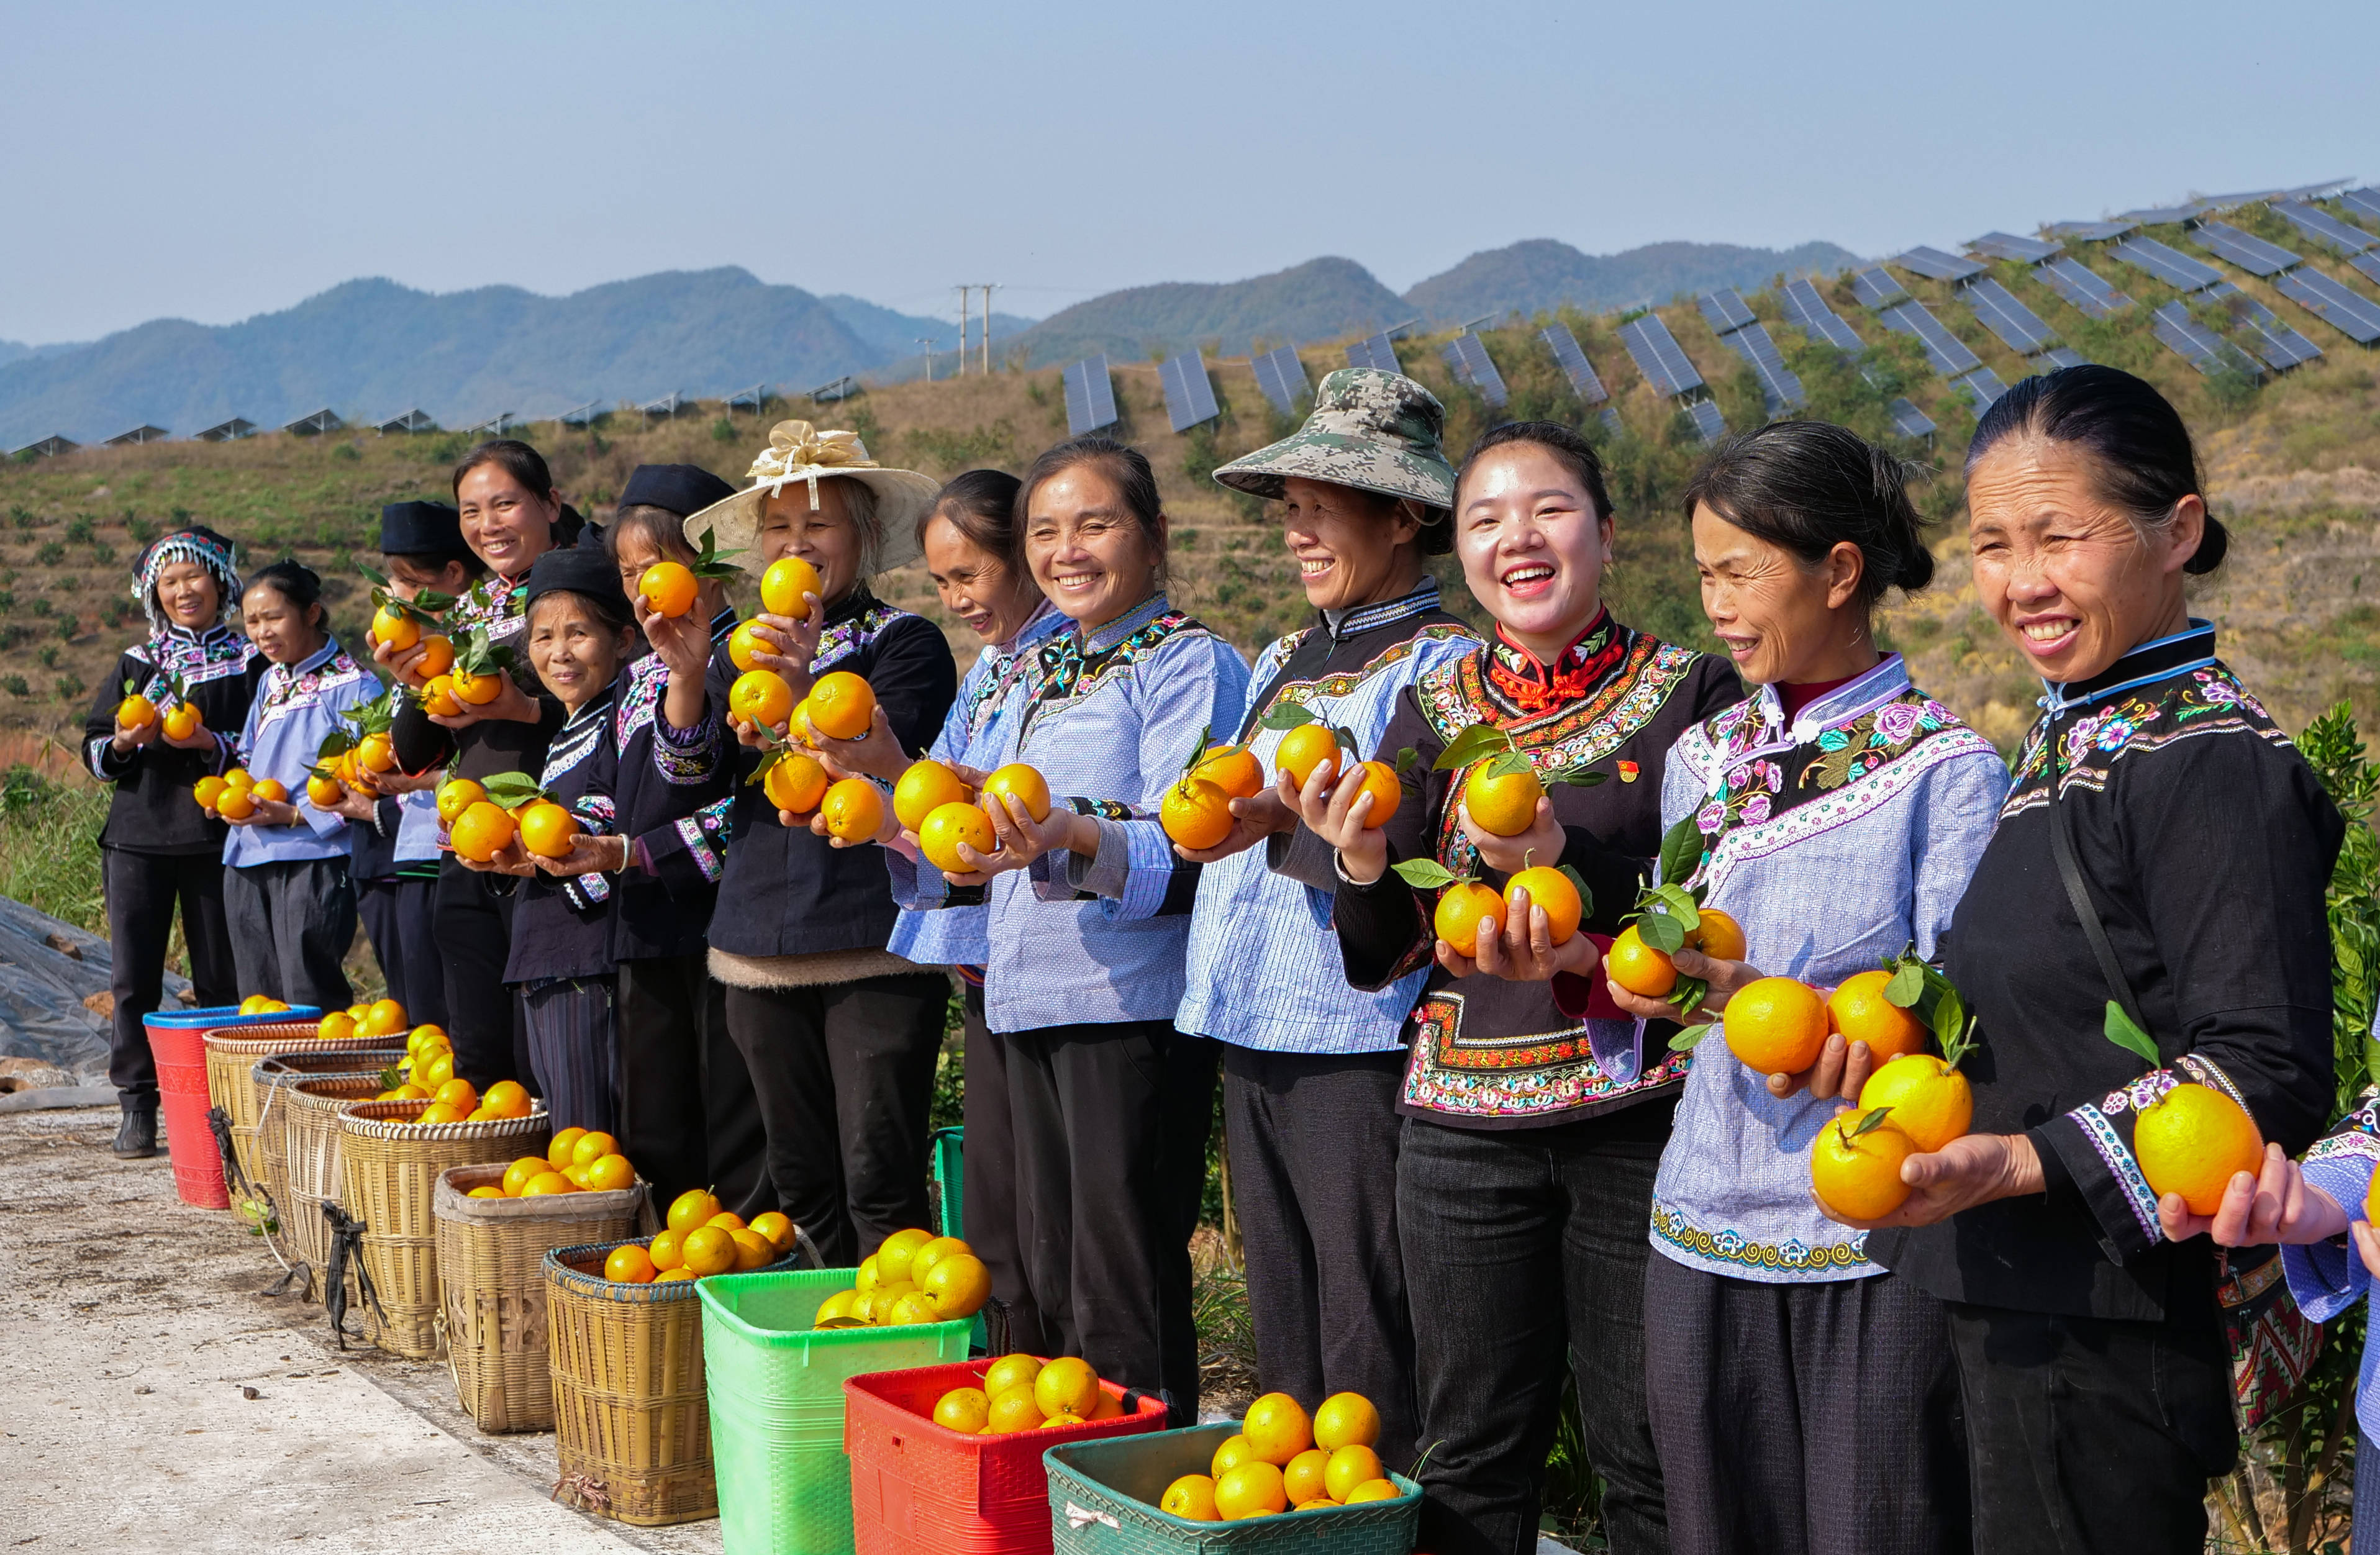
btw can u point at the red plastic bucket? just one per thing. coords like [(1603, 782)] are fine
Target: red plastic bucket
[(918, 1486), (178, 1039)]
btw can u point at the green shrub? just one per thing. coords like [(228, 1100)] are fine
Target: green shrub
[(15, 686), (79, 529), (49, 554)]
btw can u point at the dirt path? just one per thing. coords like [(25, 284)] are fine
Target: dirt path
[(157, 1399)]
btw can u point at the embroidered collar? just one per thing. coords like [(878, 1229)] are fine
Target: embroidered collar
[(1534, 686), (1372, 617), (2192, 649), (854, 604), (1100, 638), (578, 737), (1845, 704)]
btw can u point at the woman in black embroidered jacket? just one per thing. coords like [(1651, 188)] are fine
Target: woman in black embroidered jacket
[(2083, 1313)]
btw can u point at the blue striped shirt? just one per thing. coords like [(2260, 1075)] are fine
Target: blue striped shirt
[(295, 708)]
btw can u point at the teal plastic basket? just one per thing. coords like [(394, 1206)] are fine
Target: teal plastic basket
[(1103, 1498), (946, 1154), (775, 1386)]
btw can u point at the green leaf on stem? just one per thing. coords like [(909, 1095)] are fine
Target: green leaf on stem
[(1427, 874), (1682, 851), (1872, 1121), (2125, 1032), (1285, 716), (1406, 757), (1685, 1041), (1688, 994), (1661, 932), (1469, 745), (1907, 984)]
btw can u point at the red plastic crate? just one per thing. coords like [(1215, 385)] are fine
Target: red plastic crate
[(917, 1485)]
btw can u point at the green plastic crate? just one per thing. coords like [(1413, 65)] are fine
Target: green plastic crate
[(947, 1158), (1103, 1498), (775, 1387)]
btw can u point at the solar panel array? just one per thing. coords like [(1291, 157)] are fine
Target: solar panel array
[(2250, 253), (2197, 344), (2368, 264), (1806, 307), (1946, 351), (2083, 286), (1982, 386), (2172, 266), (1090, 397), (1912, 421), (1707, 421), (1781, 389), (2323, 227), (2363, 202), (1657, 356), (1574, 365), (1189, 395), (1936, 265), (1467, 356), (2062, 356), (1725, 310), (2163, 216), (2348, 311), (2008, 246), (2087, 232), (2006, 315), (2280, 347), (1281, 377), (1876, 289), (1375, 350)]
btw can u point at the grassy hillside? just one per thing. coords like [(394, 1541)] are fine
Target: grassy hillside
[(1322, 298), (2294, 466), (1526, 277)]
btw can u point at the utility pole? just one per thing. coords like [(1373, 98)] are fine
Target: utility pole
[(963, 330), (928, 343), (988, 288)]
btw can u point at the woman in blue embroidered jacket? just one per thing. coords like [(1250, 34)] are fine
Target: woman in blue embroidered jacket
[(1841, 811), (291, 906), (1311, 1065), (2091, 1359), (158, 848), (1089, 915)]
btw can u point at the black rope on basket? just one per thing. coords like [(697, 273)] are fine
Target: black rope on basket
[(347, 1244), (219, 1124), (802, 1239)]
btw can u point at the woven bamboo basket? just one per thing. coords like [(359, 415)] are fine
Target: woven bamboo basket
[(492, 1279), (273, 1075), (232, 1052), (388, 1167), (631, 1419)]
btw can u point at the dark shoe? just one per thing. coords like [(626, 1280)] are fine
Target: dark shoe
[(136, 1137)]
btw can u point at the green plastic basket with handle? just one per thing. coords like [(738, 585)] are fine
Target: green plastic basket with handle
[(946, 1157), (775, 1386), (1103, 1498)]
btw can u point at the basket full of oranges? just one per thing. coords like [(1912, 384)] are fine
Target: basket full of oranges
[(232, 1052)]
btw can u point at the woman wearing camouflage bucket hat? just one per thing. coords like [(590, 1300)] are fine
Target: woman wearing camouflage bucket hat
[(1311, 1065)]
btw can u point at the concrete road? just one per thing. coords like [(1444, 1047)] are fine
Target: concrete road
[(157, 1400)]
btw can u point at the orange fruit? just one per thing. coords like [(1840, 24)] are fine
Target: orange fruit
[(558, 1148), (1277, 1427), (1023, 784), (593, 1147), (486, 1193), (1351, 1465), (518, 1175), (922, 1261), (709, 1250), (1371, 1490), (135, 712), (476, 690), (384, 1018), (1229, 1453), (1109, 1406), (437, 657), (1195, 813), (1551, 890), (434, 1070), (864, 1278), (909, 1308), (336, 1026), (1505, 803), (1637, 967), (1718, 936), (1460, 908), (950, 825), (1010, 1371), (761, 697), (1066, 1386), (1232, 769), (1253, 1489), (752, 1249), (1191, 1496), (459, 1094), (667, 587), (776, 1228), (438, 698), (182, 721), (455, 796), (854, 810), (893, 1256), (1055, 1421), (271, 788), (1931, 1101), (959, 1284), (926, 787), (842, 705), (1860, 1011), (394, 627), (507, 1098), (1014, 1409), (1303, 749), (1302, 1479), (795, 783), (1776, 1026), (2191, 1141), (963, 1409), (439, 1112), (834, 1310), (1379, 780), (783, 584), (668, 1250), (611, 1174), (1858, 1174), (323, 793), (546, 1183), (727, 1219), (207, 790), (629, 1265), (480, 832), (374, 753), (238, 778), (546, 829), (1346, 1421), (748, 640), (681, 1273), (692, 1208)]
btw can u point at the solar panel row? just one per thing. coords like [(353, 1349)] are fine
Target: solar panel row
[(2008, 246), (1725, 310), (1780, 388), (2162, 215), (1281, 377), (1374, 350), (2348, 311), (1936, 265), (2060, 355), (2250, 253), (2367, 265), (2362, 202), (2006, 315), (1982, 387), (1876, 289), (1707, 421), (2197, 344), (2275, 343), (2087, 232), (1466, 355), (1946, 351), (1912, 421), (2173, 267), (1610, 419), (2083, 286), (1189, 395), (2323, 227), (1806, 307), (1090, 397), (1658, 357), (1573, 363)]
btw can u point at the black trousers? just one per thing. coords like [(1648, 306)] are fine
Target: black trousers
[(292, 924), (574, 1054), (731, 1110), (1111, 1124), (400, 915), (1814, 1418), (1313, 1183), (2092, 1434), (845, 1072), (142, 890), (1524, 1250), (474, 931), (658, 1012), (988, 1179)]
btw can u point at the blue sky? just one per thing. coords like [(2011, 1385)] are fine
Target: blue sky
[(211, 163)]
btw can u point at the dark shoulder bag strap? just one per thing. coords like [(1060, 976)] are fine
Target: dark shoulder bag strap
[(2078, 893)]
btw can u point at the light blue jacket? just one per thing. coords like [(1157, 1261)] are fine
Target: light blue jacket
[(295, 709)]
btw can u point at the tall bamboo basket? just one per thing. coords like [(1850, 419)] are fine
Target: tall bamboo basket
[(311, 1136), (232, 1052), (631, 1420), (389, 1166), (492, 1279), (273, 1075)]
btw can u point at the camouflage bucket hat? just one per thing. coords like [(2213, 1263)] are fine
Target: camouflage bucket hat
[(1374, 430)]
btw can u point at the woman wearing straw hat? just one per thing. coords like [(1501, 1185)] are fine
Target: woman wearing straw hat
[(1311, 1065), (840, 1034)]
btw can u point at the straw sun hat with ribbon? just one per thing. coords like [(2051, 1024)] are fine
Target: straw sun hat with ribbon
[(799, 455), (1375, 431)]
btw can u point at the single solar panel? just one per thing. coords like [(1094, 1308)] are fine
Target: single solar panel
[(2323, 227), (1281, 377), (1780, 388), (2087, 232), (1724, 308), (1658, 357), (2006, 315), (2172, 266), (1189, 395), (1946, 351), (1807, 307), (1707, 421), (2348, 311), (1982, 386), (2250, 253), (2362, 202), (2083, 286), (1375, 350), (1090, 397), (2197, 344), (2368, 264), (2163, 216), (1574, 365), (1876, 289), (2058, 356), (1936, 265), (2279, 347), (1910, 420), (1466, 355), (2008, 246), (1610, 419)]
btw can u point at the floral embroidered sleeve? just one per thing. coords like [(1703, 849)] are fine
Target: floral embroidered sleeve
[(690, 853), (2327, 1277)]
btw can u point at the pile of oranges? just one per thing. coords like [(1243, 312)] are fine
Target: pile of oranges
[(1280, 1461), (233, 795), (575, 1162), (936, 806), (478, 828), (913, 1277), (1641, 969), (1465, 902), (701, 1238), (1025, 1393), (258, 1004)]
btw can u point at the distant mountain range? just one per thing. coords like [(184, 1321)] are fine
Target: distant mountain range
[(372, 349)]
